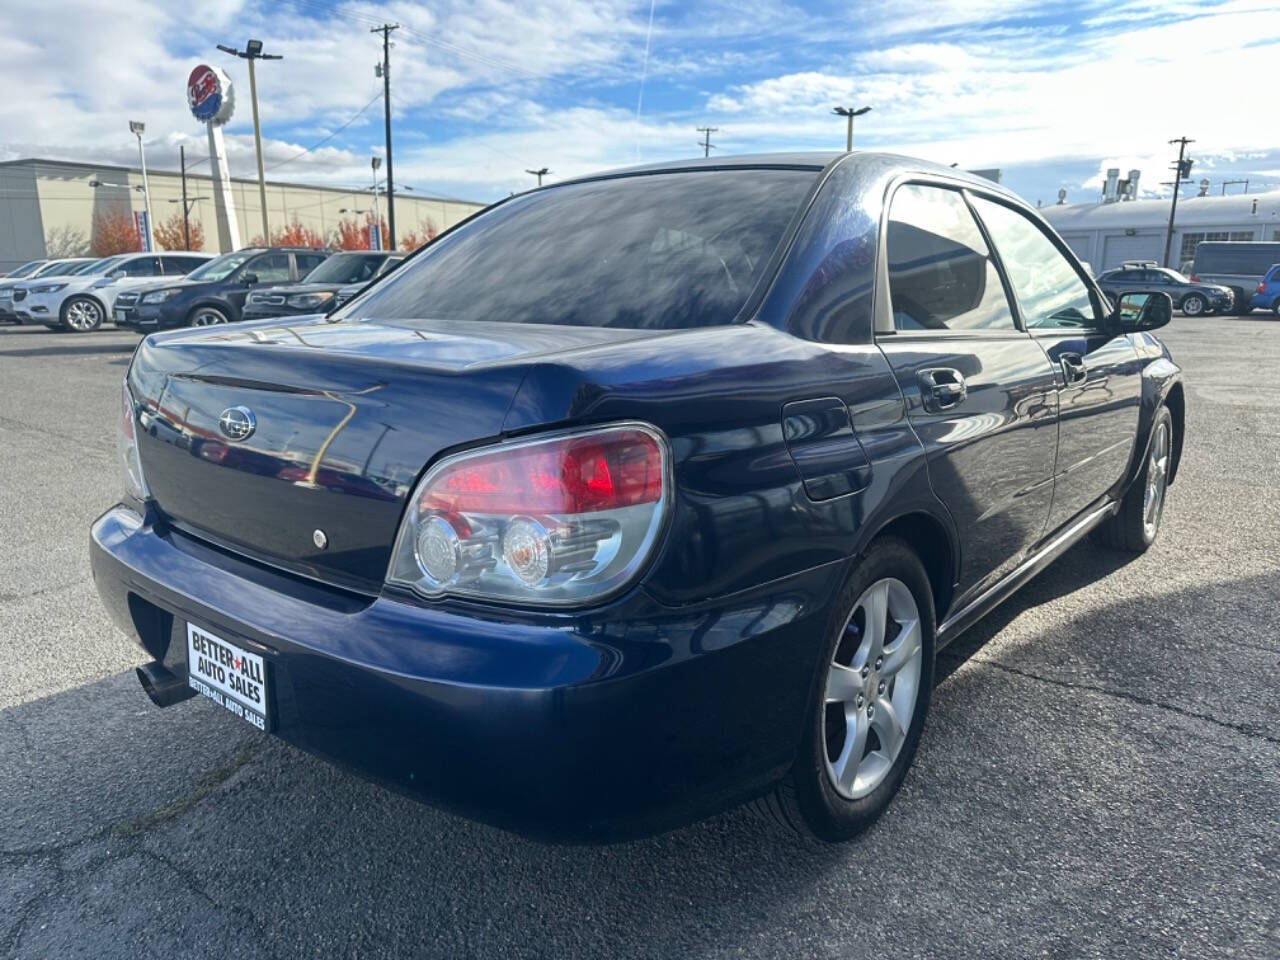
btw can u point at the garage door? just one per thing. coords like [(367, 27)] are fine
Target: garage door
[(1116, 250)]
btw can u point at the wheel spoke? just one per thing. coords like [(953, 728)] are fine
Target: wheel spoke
[(843, 684), (846, 765), (903, 649), (888, 727), (876, 606)]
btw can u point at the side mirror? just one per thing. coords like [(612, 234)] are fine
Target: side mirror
[(1142, 311), (249, 279), (115, 274)]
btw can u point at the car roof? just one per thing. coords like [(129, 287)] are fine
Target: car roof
[(815, 160)]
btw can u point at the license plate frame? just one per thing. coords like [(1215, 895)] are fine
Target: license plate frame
[(231, 676)]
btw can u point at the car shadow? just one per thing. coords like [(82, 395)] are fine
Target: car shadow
[(1083, 564), (139, 815)]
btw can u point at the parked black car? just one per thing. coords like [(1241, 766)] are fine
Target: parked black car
[(216, 292), (318, 291), (635, 497), (1192, 298)]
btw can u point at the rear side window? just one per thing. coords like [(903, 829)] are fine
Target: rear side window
[(1049, 291), (309, 261), (270, 268), (658, 251), (141, 267), (940, 272)]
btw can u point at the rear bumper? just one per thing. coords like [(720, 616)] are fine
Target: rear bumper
[(624, 722)]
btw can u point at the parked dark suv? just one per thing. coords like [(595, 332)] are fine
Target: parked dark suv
[(1193, 299), (216, 292), (318, 291), (641, 495)]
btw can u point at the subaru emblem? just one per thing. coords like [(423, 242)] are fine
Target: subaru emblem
[(237, 423)]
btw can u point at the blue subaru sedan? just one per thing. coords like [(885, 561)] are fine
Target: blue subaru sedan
[(640, 496)]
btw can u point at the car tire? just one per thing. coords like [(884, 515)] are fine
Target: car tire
[(206, 317), (824, 798), (82, 314), (1135, 526), (1275, 308), (1194, 305)]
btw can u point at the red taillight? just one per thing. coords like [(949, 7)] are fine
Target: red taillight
[(1262, 287), (1193, 278), (560, 521), (569, 476)]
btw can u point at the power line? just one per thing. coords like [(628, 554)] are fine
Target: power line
[(320, 143), (644, 74)]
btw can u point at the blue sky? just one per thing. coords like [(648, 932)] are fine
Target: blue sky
[(1051, 92)]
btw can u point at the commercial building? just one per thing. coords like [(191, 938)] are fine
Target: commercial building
[(1107, 233), (45, 203)]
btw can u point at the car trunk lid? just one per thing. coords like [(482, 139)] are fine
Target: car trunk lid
[(344, 416)]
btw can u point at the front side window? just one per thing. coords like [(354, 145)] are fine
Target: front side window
[(940, 272), (1050, 293), (221, 267), (663, 251)]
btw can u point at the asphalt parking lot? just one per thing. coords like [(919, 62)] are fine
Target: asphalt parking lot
[(1100, 776)]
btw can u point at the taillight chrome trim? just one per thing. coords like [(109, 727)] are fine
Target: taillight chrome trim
[(131, 458), (651, 548)]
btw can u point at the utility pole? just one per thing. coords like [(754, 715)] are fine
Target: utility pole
[(186, 219), (1181, 169), (539, 174), (385, 69), (137, 128), (706, 143), (376, 162), (253, 51), (849, 112)]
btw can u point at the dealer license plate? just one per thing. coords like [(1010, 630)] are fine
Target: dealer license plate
[(119, 316), (228, 675)]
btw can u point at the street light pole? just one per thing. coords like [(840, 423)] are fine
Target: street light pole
[(539, 174), (137, 128), (253, 51), (850, 112)]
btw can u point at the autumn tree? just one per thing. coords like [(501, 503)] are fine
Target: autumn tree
[(114, 232), (294, 234), (351, 234), (171, 235), (413, 239)]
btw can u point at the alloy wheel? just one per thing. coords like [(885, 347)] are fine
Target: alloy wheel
[(1157, 479), (83, 315), (872, 686), (1193, 306), (207, 318)]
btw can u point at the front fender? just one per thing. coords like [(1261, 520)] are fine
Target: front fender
[(1161, 378)]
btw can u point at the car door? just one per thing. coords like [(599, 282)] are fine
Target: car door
[(1099, 372), (981, 394), (266, 269)]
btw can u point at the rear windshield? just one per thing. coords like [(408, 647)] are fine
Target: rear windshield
[(664, 252), (346, 268)]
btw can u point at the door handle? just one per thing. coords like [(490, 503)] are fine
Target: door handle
[(1073, 368), (942, 387)]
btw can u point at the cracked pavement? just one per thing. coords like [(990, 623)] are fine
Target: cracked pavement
[(1100, 775)]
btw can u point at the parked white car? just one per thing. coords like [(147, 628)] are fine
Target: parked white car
[(42, 268), (82, 301)]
